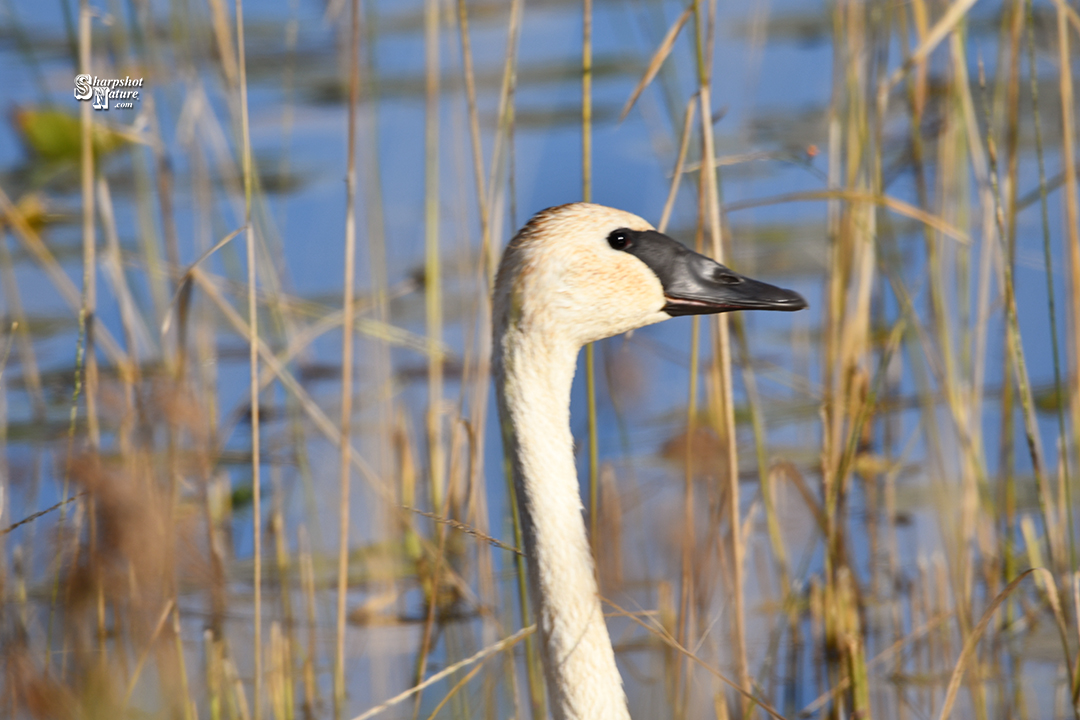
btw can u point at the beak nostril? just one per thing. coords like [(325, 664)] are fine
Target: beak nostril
[(726, 278)]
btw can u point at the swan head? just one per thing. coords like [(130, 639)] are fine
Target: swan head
[(585, 272)]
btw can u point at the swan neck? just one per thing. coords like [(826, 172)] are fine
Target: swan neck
[(534, 375)]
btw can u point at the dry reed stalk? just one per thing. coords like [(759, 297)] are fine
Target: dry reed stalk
[(981, 170), (239, 697), (5, 468), (474, 120), (937, 645), (656, 628), (88, 309), (953, 199), (156, 274), (1009, 183), (956, 194), (481, 376), (680, 162), (725, 413), (1015, 351), (275, 680), (253, 362), (855, 195), (919, 86), (391, 335), (163, 174), (940, 601), (586, 196), (667, 621), (136, 333), (212, 666), (1075, 582), (916, 635), (432, 306), (475, 384), (950, 330), (321, 421), (611, 526), (307, 587), (757, 421), (222, 36), (450, 670), (1065, 519), (966, 421), (134, 677), (496, 193), (232, 178), (205, 381), (190, 713), (971, 402), (348, 305), (854, 159), (973, 639), (32, 243), (1012, 25), (130, 319), (505, 116), (586, 102), (457, 643), (657, 60), (215, 513), (454, 691), (488, 589), (949, 19), (1052, 594), (407, 473), (287, 642), (432, 266), (685, 622), (845, 606), (688, 536), (430, 581), (31, 373), (464, 528), (816, 610), (382, 367), (916, 91), (1071, 203)]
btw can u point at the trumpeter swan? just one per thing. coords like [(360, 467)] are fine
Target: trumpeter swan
[(575, 274)]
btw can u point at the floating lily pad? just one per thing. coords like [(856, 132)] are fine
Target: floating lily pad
[(56, 136)]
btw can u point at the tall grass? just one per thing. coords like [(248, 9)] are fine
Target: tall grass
[(348, 310), (861, 510)]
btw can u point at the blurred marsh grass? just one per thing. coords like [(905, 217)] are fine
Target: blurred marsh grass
[(836, 517)]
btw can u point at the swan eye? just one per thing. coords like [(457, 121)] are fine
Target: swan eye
[(619, 239)]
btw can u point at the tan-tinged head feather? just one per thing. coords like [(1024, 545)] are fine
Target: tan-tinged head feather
[(559, 275)]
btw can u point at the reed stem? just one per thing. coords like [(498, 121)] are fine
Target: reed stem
[(348, 313), (253, 363)]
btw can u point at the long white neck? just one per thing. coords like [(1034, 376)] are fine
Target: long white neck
[(533, 378)]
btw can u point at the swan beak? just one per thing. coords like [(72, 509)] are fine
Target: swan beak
[(712, 288), (697, 285)]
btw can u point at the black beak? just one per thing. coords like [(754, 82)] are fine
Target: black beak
[(696, 285)]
